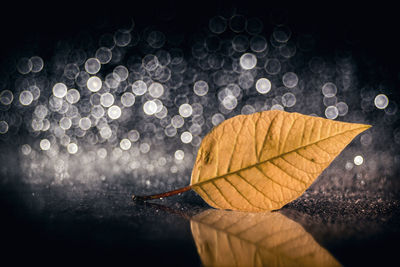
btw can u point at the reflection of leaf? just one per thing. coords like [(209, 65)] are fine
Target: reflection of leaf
[(231, 238), (264, 160)]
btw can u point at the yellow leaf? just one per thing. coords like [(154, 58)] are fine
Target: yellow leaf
[(262, 161), (231, 238)]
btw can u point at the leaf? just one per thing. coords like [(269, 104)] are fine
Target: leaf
[(231, 238), (262, 161)]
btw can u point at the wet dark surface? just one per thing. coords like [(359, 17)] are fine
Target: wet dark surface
[(51, 226)]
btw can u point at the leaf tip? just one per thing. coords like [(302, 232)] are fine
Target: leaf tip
[(366, 126)]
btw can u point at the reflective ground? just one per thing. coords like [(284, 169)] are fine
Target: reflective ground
[(51, 225)]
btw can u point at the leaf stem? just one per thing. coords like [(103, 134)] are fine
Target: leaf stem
[(166, 194)]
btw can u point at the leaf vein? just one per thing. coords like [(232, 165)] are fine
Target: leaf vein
[(268, 177), (258, 190), (240, 193), (222, 194), (266, 135), (270, 159), (291, 176)]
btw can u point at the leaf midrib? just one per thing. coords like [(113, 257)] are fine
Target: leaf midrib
[(251, 242), (270, 159)]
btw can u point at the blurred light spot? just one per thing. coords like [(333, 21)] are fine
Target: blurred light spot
[(46, 125), (6, 97), (65, 140), (272, 66), (366, 139), (106, 132), (25, 98), (331, 112), (263, 85), (65, 123), (162, 161), (349, 165), (120, 73), (185, 110), (128, 99), (162, 113), (290, 79), (277, 107), (41, 111), (150, 107), (282, 34), (174, 169), (3, 127), (59, 90), (97, 111), (342, 108), (217, 25), (156, 39), (196, 141), (107, 100), (156, 90), (35, 91), (240, 43), (230, 102), (92, 65), (330, 101), (37, 124), (26, 149), (254, 26), (104, 55), (133, 135), (177, 121), (122, 38), (179, 154), (246, 80), (85, 123), (139, 87), (288, 100), (258, 44), (45, 144), (381, 101), (248, 61), (329, 89), (73, 96), (112, 80), (37, 64), (150, 62), (200, 88), (391, 109), (102, 153), (195, 129), (24, 65), (186, 137), (144, 148), (358, 160), (125, 144), (72, 148), (114, 112), (170, 131), (217, 118), (94, 84)]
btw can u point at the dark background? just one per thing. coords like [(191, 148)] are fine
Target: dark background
[(105, 227)]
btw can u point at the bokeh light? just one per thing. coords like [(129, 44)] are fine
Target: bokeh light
[(263, 85), (139, 102), (381, 101), (94, 84)]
